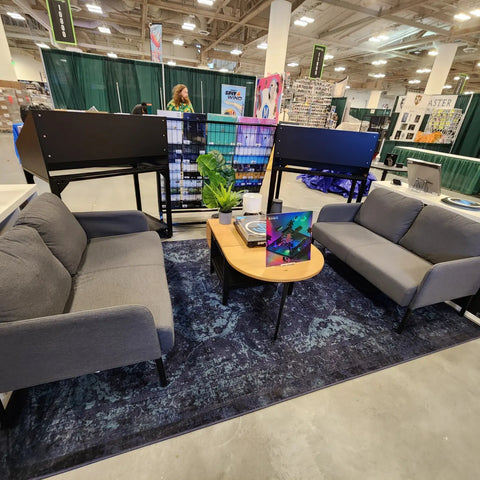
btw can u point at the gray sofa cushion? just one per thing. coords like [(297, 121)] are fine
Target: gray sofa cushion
[(388, 213), (131, 285), (143, 248), (33, 283), (439, 235), (342, 237), (381, 266), (58, 228)]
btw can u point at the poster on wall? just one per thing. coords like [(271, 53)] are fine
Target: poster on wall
[(413, 108), (156, 48), (289, 238), (233, 100), (268, 97), (61, 21)]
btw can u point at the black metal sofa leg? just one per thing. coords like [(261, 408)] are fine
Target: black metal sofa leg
[(465, 307), (161, 372), (404, 319), (3, 416)]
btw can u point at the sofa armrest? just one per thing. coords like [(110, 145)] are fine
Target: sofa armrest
[(338, 212), (104, 224), (447, 280), (46, 349)]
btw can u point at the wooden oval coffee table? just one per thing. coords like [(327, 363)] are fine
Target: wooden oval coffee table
[(237, 265)]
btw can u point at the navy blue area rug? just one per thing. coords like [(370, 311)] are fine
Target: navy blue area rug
[(335, 327)]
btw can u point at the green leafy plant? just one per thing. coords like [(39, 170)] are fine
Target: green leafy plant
[(225, 198), (218, 178)]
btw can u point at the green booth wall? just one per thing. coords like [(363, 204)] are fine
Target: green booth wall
[(79, 81)]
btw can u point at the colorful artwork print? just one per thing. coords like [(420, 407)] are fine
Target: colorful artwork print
[(289, 238), (268, 97), (156, 48)]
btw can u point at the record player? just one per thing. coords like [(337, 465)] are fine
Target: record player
[(252, 229)]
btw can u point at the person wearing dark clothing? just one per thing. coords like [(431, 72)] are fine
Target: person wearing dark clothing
[(140, 109)]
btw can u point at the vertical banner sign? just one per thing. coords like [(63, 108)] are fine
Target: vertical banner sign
[(156, 49), (316, 68), (233, 100), (61, 21), (460, 84)]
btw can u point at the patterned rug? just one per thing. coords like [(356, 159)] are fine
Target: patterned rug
[(335, 327)]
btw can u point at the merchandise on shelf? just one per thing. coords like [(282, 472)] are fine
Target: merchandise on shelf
[(309, 103)]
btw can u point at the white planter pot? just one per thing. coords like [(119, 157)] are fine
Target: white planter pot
[(225, 218)]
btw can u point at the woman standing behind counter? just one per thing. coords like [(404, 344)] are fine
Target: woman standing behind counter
[(180, 101)]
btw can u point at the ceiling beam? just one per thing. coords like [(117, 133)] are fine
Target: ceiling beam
[(385, 16), (255, 11)]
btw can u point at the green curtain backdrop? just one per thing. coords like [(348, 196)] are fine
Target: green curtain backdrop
[(468, 139), (79, 81), (340, 103)]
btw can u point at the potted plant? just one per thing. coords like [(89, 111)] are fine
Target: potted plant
[(225, 199), (218, 178)]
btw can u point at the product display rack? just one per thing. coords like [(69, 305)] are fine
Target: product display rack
[(309, 103), (245, 142)]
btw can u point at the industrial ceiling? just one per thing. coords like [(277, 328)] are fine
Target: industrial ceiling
[(396, 35)]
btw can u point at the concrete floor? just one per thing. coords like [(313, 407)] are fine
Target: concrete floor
[(418, 420)]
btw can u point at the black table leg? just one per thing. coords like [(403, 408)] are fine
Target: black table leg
[(384, 175), (286, 288)]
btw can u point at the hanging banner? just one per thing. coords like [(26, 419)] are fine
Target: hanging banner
[(61, 21), (460, 84), (156, 46), (233, 100), (268, 97), (414, 106), (318, 56)]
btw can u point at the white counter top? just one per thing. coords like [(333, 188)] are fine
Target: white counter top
[(12, 196), (426, 198)]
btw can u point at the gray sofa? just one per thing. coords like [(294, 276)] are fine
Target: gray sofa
[(417, 255), (80, 293)]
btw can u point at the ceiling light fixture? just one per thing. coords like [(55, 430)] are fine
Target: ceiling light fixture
[(224, 70), (328, 56), (41, 45), (236, 51), (307, 19), (94, 8), (339, 69), (468, 93), (171, 62), (379, 62), (188, 25), (414, 81), (424, 70), (433, 53), (15, 16), (104, 30), (262, 46), (112, 55), (348, 86), (178, 41), (458, 78), (300, 23), (475, 12), (462, 17), (206, 2), (378, 38), (446, 87), (292, 64)]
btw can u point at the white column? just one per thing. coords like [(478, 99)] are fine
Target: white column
[(7, 71), (374, 99), (278, 29), (441, 68)]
